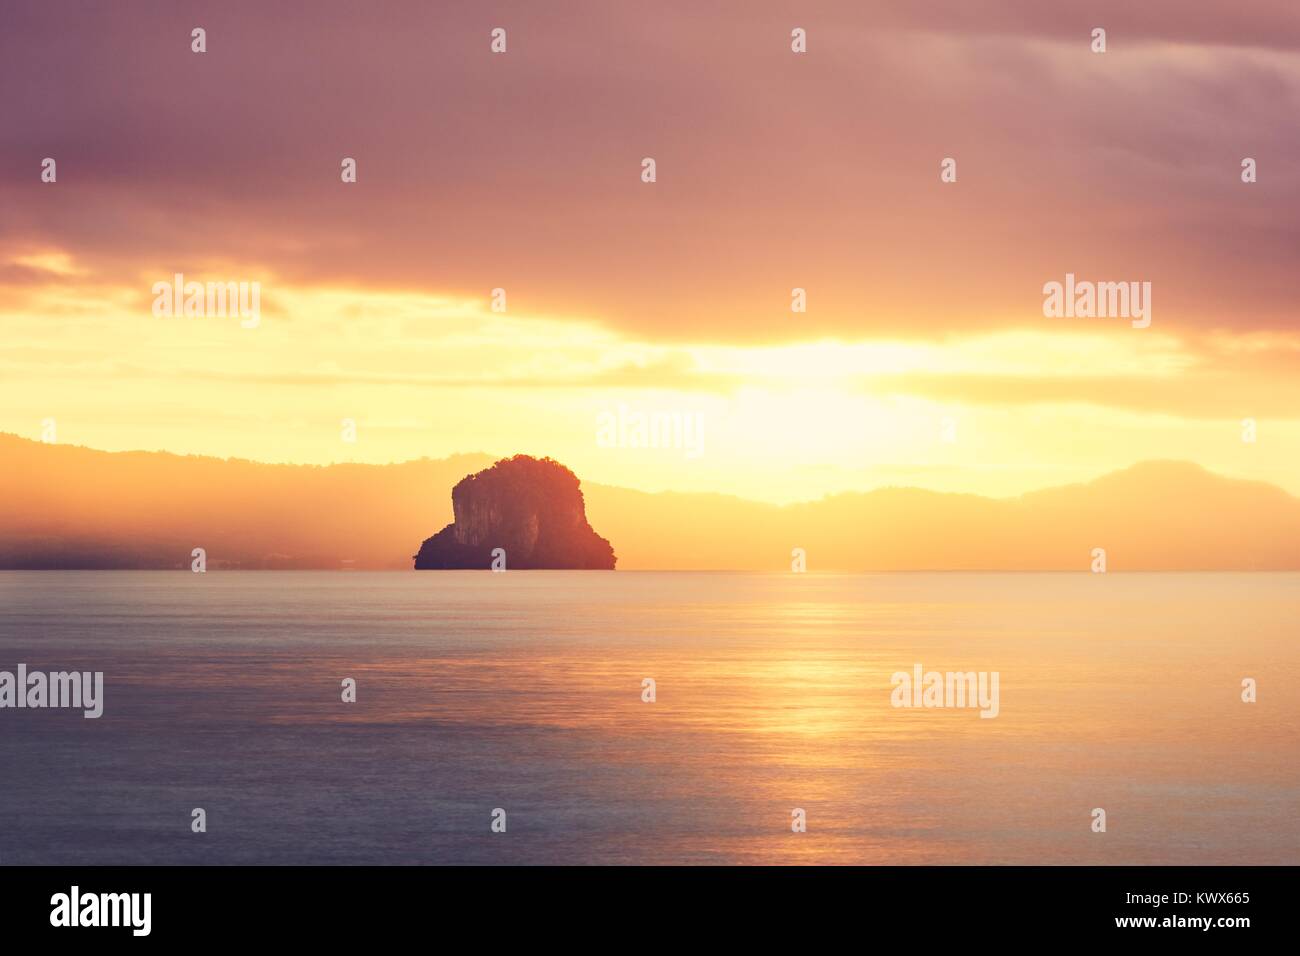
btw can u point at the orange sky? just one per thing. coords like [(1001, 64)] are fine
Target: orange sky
[(923, 358)]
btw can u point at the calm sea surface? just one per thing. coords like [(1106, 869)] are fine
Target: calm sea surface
[(523, 691)]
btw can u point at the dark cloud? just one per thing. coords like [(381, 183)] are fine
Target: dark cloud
[(775, 170)]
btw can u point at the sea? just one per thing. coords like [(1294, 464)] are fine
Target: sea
[(554, 717)]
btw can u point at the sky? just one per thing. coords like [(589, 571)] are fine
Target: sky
[(923, 358)]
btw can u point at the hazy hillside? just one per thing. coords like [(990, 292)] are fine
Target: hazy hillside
[(63, 506), (1153, 516)]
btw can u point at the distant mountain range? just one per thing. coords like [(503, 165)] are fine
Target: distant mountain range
[(63, 506)]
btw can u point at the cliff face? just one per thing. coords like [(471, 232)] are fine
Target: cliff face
[(532, 508)]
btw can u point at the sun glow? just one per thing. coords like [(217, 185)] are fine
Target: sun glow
[(426, 375)]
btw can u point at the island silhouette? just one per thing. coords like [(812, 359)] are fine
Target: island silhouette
[(523, 512), (67, 506)]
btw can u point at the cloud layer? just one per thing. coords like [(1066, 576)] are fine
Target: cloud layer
[(775, 170)]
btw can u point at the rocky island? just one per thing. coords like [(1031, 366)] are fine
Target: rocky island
[(530, 508)]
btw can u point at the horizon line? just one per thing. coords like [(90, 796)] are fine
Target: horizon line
[(491, 458)]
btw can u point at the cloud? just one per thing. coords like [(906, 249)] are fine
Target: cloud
[(775, 171)]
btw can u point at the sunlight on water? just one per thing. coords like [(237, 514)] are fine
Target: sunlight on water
[(773, 692)]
